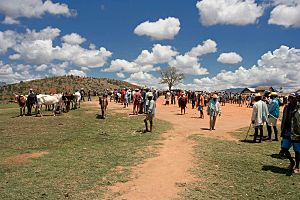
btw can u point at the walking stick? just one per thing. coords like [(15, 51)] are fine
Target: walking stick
[(248, 131)]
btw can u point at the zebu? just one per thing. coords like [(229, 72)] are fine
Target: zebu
[(43, 99), (21, 100), (77, 99)]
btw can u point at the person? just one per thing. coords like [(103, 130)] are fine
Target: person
[(82, 93), (200, 105), (150, 112), (126, 98), (182, 101), (273, 108), (193, 98), (290, 131), (167, 97), (136, 101), (31, 100), (259, 116), (89, 95), (103, 102), (173, 98), (213, 111)]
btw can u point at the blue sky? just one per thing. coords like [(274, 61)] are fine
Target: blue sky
[(259, 41)]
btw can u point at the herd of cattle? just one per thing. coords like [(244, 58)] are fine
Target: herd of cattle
[(60, 102)]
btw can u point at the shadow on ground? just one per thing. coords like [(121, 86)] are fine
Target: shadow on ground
[(278, 170)]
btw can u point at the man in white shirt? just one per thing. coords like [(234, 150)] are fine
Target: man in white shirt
[(259, 116)]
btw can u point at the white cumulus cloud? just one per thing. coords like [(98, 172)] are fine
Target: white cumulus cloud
[(286, 13), (76, 72), (188, 65), (13, 9), (230, 58), (7, 40), (159, 54), (120, 75), (208, 46), (36, 47), (235, 12), (73, 38), (280, 68), (143, 78), (162, 29)]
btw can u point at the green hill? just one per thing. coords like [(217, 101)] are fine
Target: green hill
[(61, 84)]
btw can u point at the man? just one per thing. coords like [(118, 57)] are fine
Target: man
[(89, 95), (273, 108), (136, 101), (31, 100), (213, 111), (103, 102), (290, 130), (259, 116), (150, 112), (182, 101), (126, 99), (167, 97), (200, 104)]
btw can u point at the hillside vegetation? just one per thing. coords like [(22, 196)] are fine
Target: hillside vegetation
[(61, 84)]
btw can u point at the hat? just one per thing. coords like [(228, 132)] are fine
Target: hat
[(215, 96), (293, 94), (258, 95), (137, 89), (273, 94), (150, 95)]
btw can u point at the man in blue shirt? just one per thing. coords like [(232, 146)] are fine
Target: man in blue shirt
[(150, 111), (273, 108)]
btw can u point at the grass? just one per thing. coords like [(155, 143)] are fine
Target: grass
[(86, 154), (243, 170)]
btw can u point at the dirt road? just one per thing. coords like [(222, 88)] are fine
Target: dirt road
[(161, 177)]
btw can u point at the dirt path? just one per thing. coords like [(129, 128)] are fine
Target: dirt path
[(162, 177)]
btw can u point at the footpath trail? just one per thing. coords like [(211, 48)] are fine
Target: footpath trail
[(162, 177)]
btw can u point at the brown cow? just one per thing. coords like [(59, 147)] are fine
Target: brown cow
[(21, 101), (103, 102)]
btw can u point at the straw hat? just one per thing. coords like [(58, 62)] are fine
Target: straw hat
[(258, 95), (274, 94)]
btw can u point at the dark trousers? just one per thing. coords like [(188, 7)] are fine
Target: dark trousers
[(261, 131), (269, 128)]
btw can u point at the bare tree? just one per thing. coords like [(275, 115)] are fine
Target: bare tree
[(171, 76)]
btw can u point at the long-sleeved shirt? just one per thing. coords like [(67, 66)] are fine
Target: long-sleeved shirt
[(260, 113), (214, 107), (151, 107), (274, 108)]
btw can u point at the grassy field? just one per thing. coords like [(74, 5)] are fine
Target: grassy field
[(243, 170), (85, 154)]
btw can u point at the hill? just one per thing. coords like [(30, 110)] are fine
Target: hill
[(61, 84)]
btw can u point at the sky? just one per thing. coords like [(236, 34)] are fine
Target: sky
[(217, 44)]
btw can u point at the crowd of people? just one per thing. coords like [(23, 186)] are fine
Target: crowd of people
[(265, 112)]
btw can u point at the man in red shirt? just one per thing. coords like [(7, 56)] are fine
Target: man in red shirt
[(137, 97)]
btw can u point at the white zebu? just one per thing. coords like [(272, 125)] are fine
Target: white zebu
[(77, 99), (44, 99)]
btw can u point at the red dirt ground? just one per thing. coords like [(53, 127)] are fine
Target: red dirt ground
[(24, 158), (162, 176)]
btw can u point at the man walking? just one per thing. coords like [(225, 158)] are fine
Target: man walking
[(150, 112), (259, 116), (290, 131), (213, 111), (273, 108)]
